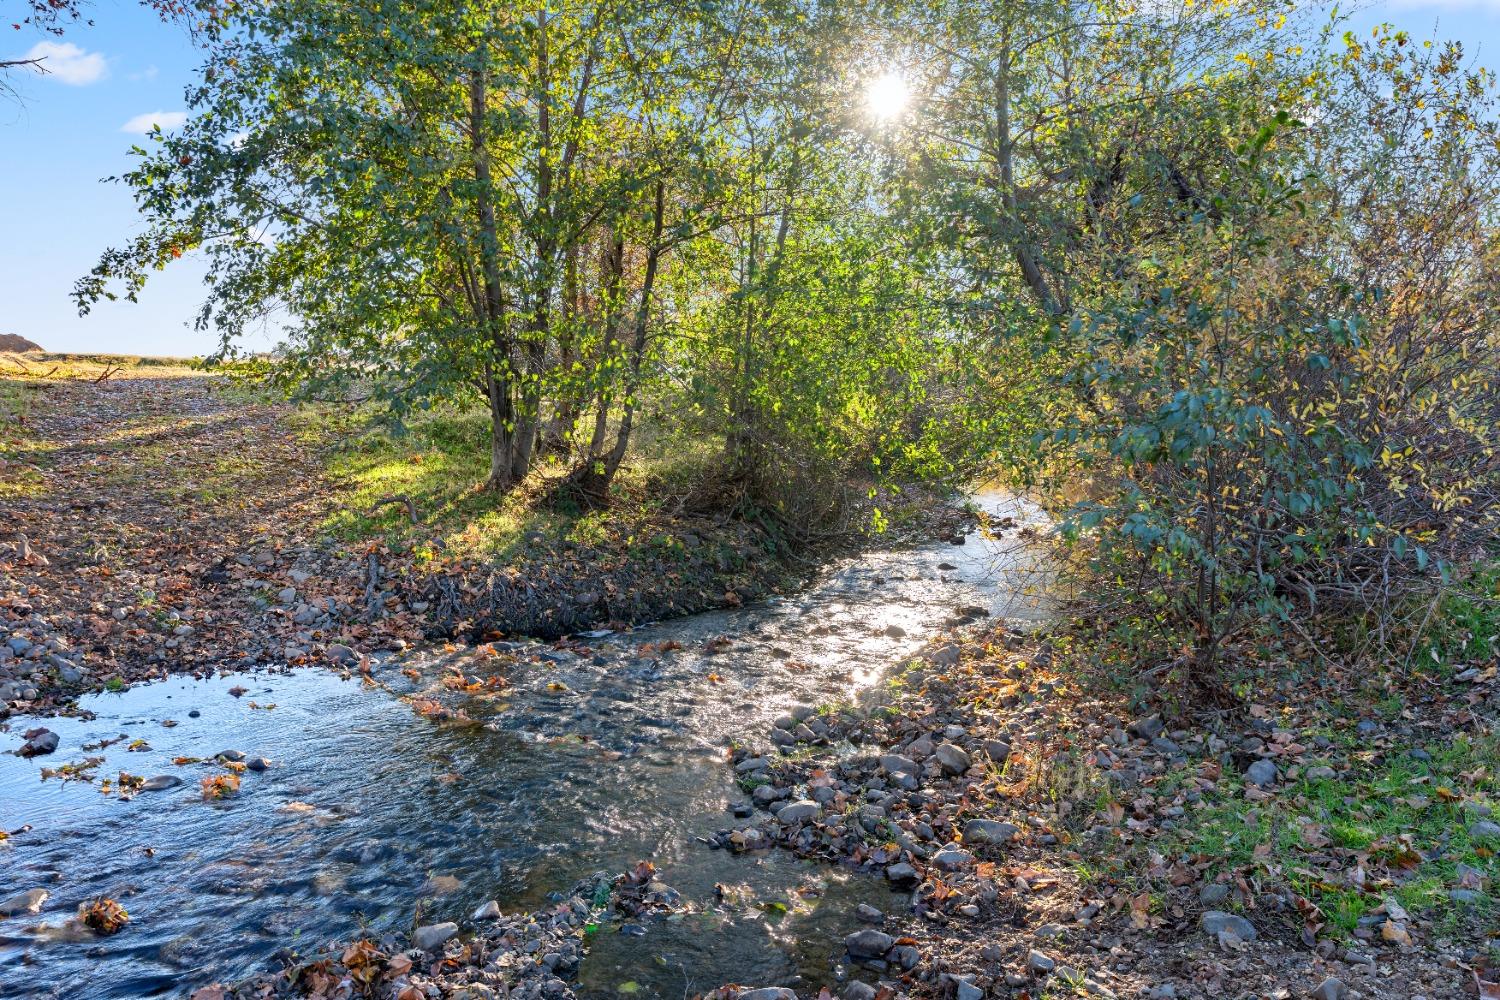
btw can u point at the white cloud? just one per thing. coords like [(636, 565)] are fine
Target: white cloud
[(149, 73), (141, 124), (67, 63)]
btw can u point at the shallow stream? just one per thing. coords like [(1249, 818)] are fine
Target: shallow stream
[(373, 816)]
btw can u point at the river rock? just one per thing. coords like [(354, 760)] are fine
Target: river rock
[(868, 943), (29, 901), (988, 831), (431, 937), (1261, 773), (160, 783), (952, 858), (953, 759), (964, 989), (1148, 728), (489, 911), (894, 762), (230, 755), (41, 742), (869, 914), (764, 795), (1330, 989), (340, 653), (1040, 963), (1216, 922), (945, 656), (767, 993), (797, 812), (752, 764), (859, 991)]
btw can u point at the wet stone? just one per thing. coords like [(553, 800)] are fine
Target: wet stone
[(29, 901), (868, 943), (432, 936)]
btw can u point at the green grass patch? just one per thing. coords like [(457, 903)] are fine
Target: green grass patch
[(439, 460), (1400, 820)]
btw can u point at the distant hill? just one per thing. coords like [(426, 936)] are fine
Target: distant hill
[(14, 343)]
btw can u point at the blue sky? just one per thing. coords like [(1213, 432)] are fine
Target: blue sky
[(76, 126)]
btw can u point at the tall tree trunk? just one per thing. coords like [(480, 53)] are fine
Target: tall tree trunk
[(497, 373)]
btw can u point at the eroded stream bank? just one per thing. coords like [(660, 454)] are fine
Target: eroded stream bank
[(372, 817)]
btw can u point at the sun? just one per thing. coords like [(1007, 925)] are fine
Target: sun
[(886, 96)]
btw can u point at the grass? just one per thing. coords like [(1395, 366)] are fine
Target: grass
[(439, 460), (1400, 818)]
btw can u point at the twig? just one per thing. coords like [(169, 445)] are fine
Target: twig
[(396, 498)]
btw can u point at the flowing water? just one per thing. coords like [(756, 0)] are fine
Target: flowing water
[(373, 816)]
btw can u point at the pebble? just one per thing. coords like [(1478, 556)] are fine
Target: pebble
[(1039, 963), (767, 993), (431, 937), (797, 812), (1262, 773), (1148, 728), (859, 991), (988, 831), (1213, 894), (869, 914), (953, 759), (1215, 922), (1484, 830), (258, 764), (1330, 989), (868, 943)]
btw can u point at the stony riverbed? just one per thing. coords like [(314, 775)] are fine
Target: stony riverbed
[(545, 764)]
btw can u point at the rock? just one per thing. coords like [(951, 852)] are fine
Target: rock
[(1330, 989), (1261, 773), (1039, 963), (901, 873), (906, 956), (489, 911), (1322, 772), (945, 656), (767, 993), (1213, 894), (998, 750), (764, 795), (797, 812), (1215, 922), (895, 631), (340, 653), (869, 914), (1466, 897), (431, 937), (230, 755), (951, 858), (988, 831), (160, 783), (965, 990), (752, 764), (1367, 728), (953, 759), (258, 764), (1050, 930), (45, 741), (1148, 728), (868, 943), (287, 595), (859, 991), (1484, 830), (894, 762), (29, 901)]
